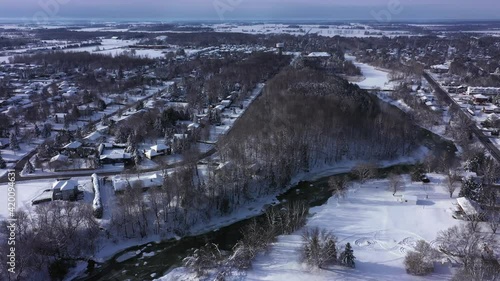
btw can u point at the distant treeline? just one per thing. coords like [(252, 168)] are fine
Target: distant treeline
[(83, 59), (11, 43)]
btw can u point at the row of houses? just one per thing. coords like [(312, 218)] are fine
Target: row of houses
[(483, 91)]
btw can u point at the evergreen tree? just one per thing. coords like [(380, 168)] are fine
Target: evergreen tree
[(46, 130), (3, 165), (137, 158), (471, 190), (347, 256), (78, 134), (28, 168), (166, 138), (14, 144), (158, 126), (75, 112), (37, 131), (131, 142)]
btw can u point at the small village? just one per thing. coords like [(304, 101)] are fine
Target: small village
[(133, 139)]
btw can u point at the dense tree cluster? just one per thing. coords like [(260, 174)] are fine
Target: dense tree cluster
[(306, 118), (72, 60), (50, 240)]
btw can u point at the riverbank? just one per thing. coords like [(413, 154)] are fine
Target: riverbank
[(380, 229), (122, 255)]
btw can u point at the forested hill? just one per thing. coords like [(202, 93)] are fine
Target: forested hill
[(307, 118)]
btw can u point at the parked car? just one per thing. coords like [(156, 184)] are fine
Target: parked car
[(425, 179)]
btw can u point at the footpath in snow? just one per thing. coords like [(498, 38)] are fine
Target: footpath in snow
[(380, 229)]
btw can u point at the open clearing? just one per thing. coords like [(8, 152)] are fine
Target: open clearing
[(380, 229)]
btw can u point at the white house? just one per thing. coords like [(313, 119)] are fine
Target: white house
[(487, 91), (157, 150), (121, 184)]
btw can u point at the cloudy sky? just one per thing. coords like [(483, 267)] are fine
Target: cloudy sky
[(253, 9)]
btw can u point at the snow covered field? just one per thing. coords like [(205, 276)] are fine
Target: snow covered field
[(4, 59), (380, 229), (350, 30)]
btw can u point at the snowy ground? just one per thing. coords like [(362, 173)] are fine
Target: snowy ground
[(347, 30), (28, 190), (380, 229), (374, 77), (12, 156)]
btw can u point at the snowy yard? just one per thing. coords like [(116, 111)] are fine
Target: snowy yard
[(28, 190), (380, 229)]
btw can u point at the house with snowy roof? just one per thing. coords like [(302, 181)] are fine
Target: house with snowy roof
[(65, 190)]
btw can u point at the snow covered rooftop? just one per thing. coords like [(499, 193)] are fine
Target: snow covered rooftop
[(160, 147), (469, 207), (65, 185), (479, 96), (73, 145), (120, 184), (93, 137), (318, 55), (60, 158)]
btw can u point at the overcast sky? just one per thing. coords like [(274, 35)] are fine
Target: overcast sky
[(253, 9)]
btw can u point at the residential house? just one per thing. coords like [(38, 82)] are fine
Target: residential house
[(66, 190), (58, 161), (93, 138), (469, 209), (157, 150), (120, 184), (73, 146), (115, 156)]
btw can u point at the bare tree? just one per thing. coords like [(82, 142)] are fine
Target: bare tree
[(473, 222), (338, 185), (421, 261), (463, 243), (203, 259), (494, 221), (319, 247), (451, 180), (395, 183), (365, 171)]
